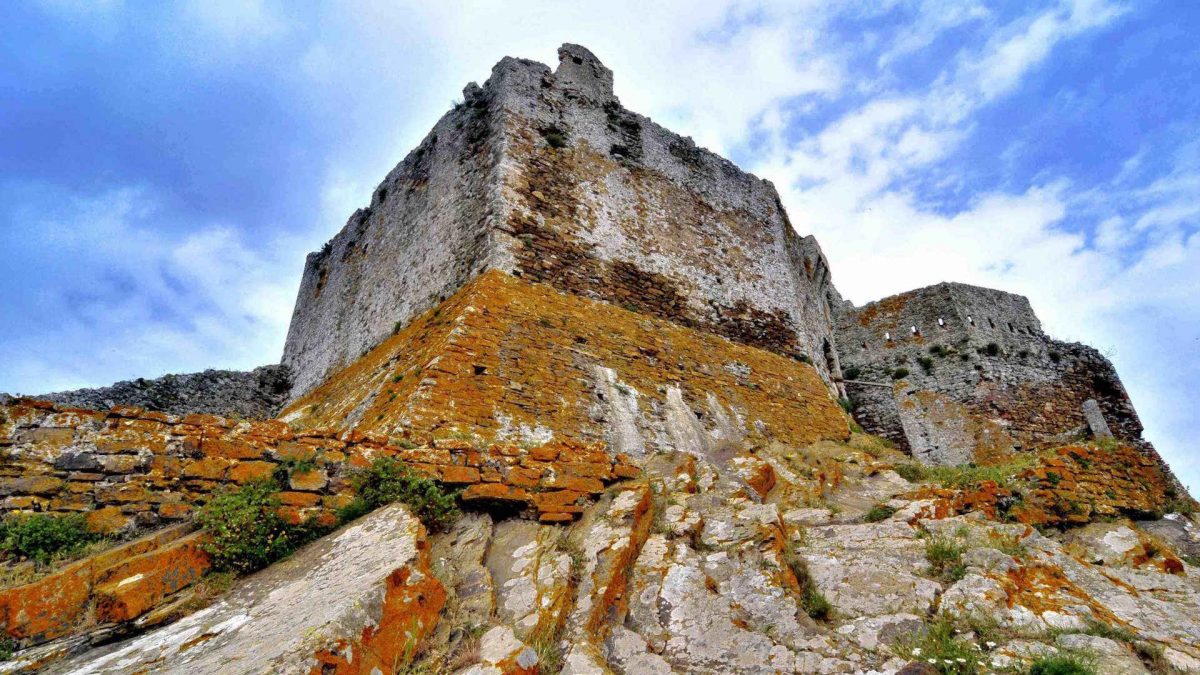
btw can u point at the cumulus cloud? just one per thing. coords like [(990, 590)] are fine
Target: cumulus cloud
[(137, 300)]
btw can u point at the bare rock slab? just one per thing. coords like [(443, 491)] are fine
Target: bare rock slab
[(356, 601)]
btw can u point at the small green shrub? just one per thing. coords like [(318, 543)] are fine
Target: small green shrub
[(926, 364), (911, 471), (945, 557), (992, 349), (941, 647), (1055, 357), (285, 468), (940, 351), (851, 373), (246, 531), (814, 603), (899, 373), (879, 512), (8, 647), (1104, 630), (846, 404), (42, 537), (554, 136), (388, 480), (1061, 664)]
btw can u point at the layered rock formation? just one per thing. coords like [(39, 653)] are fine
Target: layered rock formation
[(614, 351)]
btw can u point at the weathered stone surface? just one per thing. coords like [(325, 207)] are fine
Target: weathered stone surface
[(871, 569), (531, 572), (357, 600), (258, 393), (1110, 656)]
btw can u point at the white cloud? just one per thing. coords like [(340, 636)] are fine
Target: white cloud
[(140, 301)]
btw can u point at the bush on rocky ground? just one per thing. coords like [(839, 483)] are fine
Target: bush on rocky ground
[(388, 480), (43, 538), (246, 531)]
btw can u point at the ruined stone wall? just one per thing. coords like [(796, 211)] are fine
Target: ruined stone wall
[(129, 468), (259, 393), (608, 204), (994, 373), (510, 360), (544, 175), (426, 232)]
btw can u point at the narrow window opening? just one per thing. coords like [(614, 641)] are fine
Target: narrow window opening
[(480, 370)]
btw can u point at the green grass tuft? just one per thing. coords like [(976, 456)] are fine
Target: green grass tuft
[(1061, 664)]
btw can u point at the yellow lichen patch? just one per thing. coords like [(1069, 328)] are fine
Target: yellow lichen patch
[(888, 308), (507, 358), (1046, 588)]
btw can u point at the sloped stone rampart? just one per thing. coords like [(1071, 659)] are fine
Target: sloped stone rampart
[(512, 360), (132, 468)]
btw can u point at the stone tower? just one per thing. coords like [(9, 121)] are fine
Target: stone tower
[(544, 175)]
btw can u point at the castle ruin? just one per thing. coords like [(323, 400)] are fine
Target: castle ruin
[(543, 176), (611, 351)]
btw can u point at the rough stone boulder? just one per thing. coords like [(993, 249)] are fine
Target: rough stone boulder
[(357, 601)]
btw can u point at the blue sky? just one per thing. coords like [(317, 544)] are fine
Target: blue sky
[(164, 167)]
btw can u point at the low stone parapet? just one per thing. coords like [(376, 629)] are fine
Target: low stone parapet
[(129, 468)]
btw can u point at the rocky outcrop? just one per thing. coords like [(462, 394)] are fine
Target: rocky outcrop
[(357, 601), (92, 597), (256, 394)]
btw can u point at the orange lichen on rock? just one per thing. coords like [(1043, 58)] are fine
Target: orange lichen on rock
[(505, 356), (411, 606), (137, 585), (1081, 482), (56, 605), (1045, 588)]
